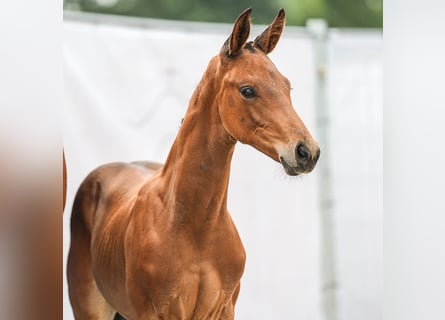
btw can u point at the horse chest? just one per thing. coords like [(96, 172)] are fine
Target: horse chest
[(207, 291), (191, 281), (197, 291)]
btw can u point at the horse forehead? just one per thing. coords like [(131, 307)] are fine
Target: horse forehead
[(255, 65)]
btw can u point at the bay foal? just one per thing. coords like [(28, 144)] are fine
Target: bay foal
[(157, 242)]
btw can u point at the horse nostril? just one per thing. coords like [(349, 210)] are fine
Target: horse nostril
[(301, 152)]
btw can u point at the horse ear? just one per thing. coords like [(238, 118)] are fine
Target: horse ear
[(240, 33), (267, 41)]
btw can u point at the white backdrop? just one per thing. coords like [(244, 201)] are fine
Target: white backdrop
[(127, 86), (355, 85)]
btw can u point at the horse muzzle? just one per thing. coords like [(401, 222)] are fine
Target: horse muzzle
[(302, 158)]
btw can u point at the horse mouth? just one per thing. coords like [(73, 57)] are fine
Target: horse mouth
[(291, 171)]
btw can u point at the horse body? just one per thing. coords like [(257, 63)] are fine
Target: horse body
[(157, 242), (170, 261)]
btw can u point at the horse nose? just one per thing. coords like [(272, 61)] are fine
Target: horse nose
[(317, 155), (306, 157)]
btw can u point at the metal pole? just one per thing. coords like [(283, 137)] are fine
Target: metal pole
[(319, 30)]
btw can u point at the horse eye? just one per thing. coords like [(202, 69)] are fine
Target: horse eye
[(248, 92)]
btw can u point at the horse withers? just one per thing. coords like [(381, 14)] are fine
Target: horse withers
[(157, 242)]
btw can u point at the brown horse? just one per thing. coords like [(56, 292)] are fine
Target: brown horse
[(157, 242)]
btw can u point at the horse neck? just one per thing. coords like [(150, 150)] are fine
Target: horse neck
[(198, 166)]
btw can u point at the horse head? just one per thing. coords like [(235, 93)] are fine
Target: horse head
[(254, 100)]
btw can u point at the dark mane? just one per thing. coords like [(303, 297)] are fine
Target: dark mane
[(249, 46)]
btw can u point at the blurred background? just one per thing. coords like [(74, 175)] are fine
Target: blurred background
[(338, 13), (314, 244)]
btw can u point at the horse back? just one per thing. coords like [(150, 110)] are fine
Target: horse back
[(110, 189)]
